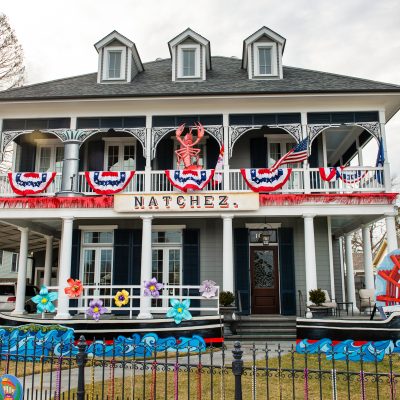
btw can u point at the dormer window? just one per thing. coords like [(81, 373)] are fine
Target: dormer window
[(114, 63), (189, 61), (265, 59)]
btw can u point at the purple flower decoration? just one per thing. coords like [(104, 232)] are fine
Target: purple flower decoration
[(96, 309), (208, 289), (152, 287)]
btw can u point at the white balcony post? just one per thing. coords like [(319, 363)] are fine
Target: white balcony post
[(391, 232), (386, 164), (64, 272), (147, 169), (309, 251), (306, 171), (146, 270), (22, 264), (227, 255), (48, 261), (225, 123), (351, 291), (369, 280)]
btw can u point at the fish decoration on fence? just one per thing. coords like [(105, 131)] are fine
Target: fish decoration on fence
[(189, 179), (264, 179), (26, 183), (108, 182)]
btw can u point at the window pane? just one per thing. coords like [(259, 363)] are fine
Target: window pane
[(174, 267), (129, 158), (114, 64), (112, 163), (97, 237), (189, 58), (45, 157), (88, 266), (264, 57), (274, 153), (105, 266)]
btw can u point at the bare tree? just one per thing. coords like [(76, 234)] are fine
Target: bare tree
[(11, 57)]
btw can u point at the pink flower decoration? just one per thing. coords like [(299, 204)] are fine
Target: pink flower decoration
[(208, 289)]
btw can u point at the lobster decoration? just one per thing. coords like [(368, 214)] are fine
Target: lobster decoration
[(187, 154)]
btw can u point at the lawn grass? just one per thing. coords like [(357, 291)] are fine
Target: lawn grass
[(280, 383)]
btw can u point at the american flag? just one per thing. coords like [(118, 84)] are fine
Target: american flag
[(297, 154)]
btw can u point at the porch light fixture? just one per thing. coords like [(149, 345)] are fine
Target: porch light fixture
[(265, 235)]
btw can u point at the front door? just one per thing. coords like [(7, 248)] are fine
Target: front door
[(264, 280)]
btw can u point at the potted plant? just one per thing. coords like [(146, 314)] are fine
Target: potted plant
[(317, 297), (227, 308)]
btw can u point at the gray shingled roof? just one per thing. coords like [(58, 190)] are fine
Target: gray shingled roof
[(226, 78)]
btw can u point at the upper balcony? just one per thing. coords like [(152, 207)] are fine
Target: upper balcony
[(255, 142)]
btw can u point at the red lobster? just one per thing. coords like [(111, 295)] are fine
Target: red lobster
[(187, 154)]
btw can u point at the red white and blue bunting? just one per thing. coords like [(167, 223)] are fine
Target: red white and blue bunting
[(264, 179), (329, 174), (351, 176), (25, 183), (108, 182), (189, 179)]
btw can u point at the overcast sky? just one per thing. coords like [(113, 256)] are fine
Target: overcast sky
[(351, 37)]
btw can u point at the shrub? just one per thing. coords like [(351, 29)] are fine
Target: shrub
[(226, 299), (317, 296)]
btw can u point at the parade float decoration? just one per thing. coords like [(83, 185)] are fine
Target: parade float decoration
[(74, 288), (179, 310), (152, 288), (108, 182), (44, 300), (121, 298), (96, 309), (188, 155), (26, 183)]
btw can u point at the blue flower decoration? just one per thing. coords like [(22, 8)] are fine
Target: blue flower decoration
[(44, 300), (179, 310)]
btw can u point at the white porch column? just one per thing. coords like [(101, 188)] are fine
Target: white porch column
[(369, 280), (306, 171), (21, 283), (386, 164), (225, 123), (227, 255), (48, 261), (146, 270), (351, 291), (70, 169), (64, 271), (147, 169), (330, 253), (309, 251), (391, 231)]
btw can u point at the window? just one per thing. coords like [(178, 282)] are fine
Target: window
[(1, 257), (189, 59), (114, 64), (265, 59), (14, 262), (264, 56), (114, 60), (49, 158), (120, 156)]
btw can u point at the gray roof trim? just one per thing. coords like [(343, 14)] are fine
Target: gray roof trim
[(227, 78)]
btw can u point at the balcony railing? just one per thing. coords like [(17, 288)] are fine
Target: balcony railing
[(160, 305), (301, 181)]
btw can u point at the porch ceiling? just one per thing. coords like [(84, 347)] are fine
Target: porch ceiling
[(348, 223), (10, 236)]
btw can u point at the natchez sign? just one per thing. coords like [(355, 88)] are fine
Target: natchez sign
[(216, 201)]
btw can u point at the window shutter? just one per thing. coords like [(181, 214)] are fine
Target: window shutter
[(165, 153), (313, 159), (287, 277), (27, 157), (212, 149), (258, 152), (191, 261), (140, 160), (241, 264), (96, 155), (75, 260)]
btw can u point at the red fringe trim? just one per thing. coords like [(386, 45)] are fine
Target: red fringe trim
[(57, 202), (351, 198)]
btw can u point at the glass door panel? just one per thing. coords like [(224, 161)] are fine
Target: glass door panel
[(89, 257), (45, 159), (105, 274)]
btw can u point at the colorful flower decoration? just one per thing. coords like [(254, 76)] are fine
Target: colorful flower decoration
[(152, 287), (208, 289), (96, 309), (44, 300), (179, 310), (121, 298), (75, 288)]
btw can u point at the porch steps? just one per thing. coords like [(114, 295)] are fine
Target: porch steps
[(264, 328)]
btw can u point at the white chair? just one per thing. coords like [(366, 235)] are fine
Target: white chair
[(367, 299), (329, 303)]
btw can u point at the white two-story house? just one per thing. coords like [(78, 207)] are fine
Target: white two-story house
[(263, 246)]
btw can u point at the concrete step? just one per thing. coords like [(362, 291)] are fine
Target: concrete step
[(266, 330)]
